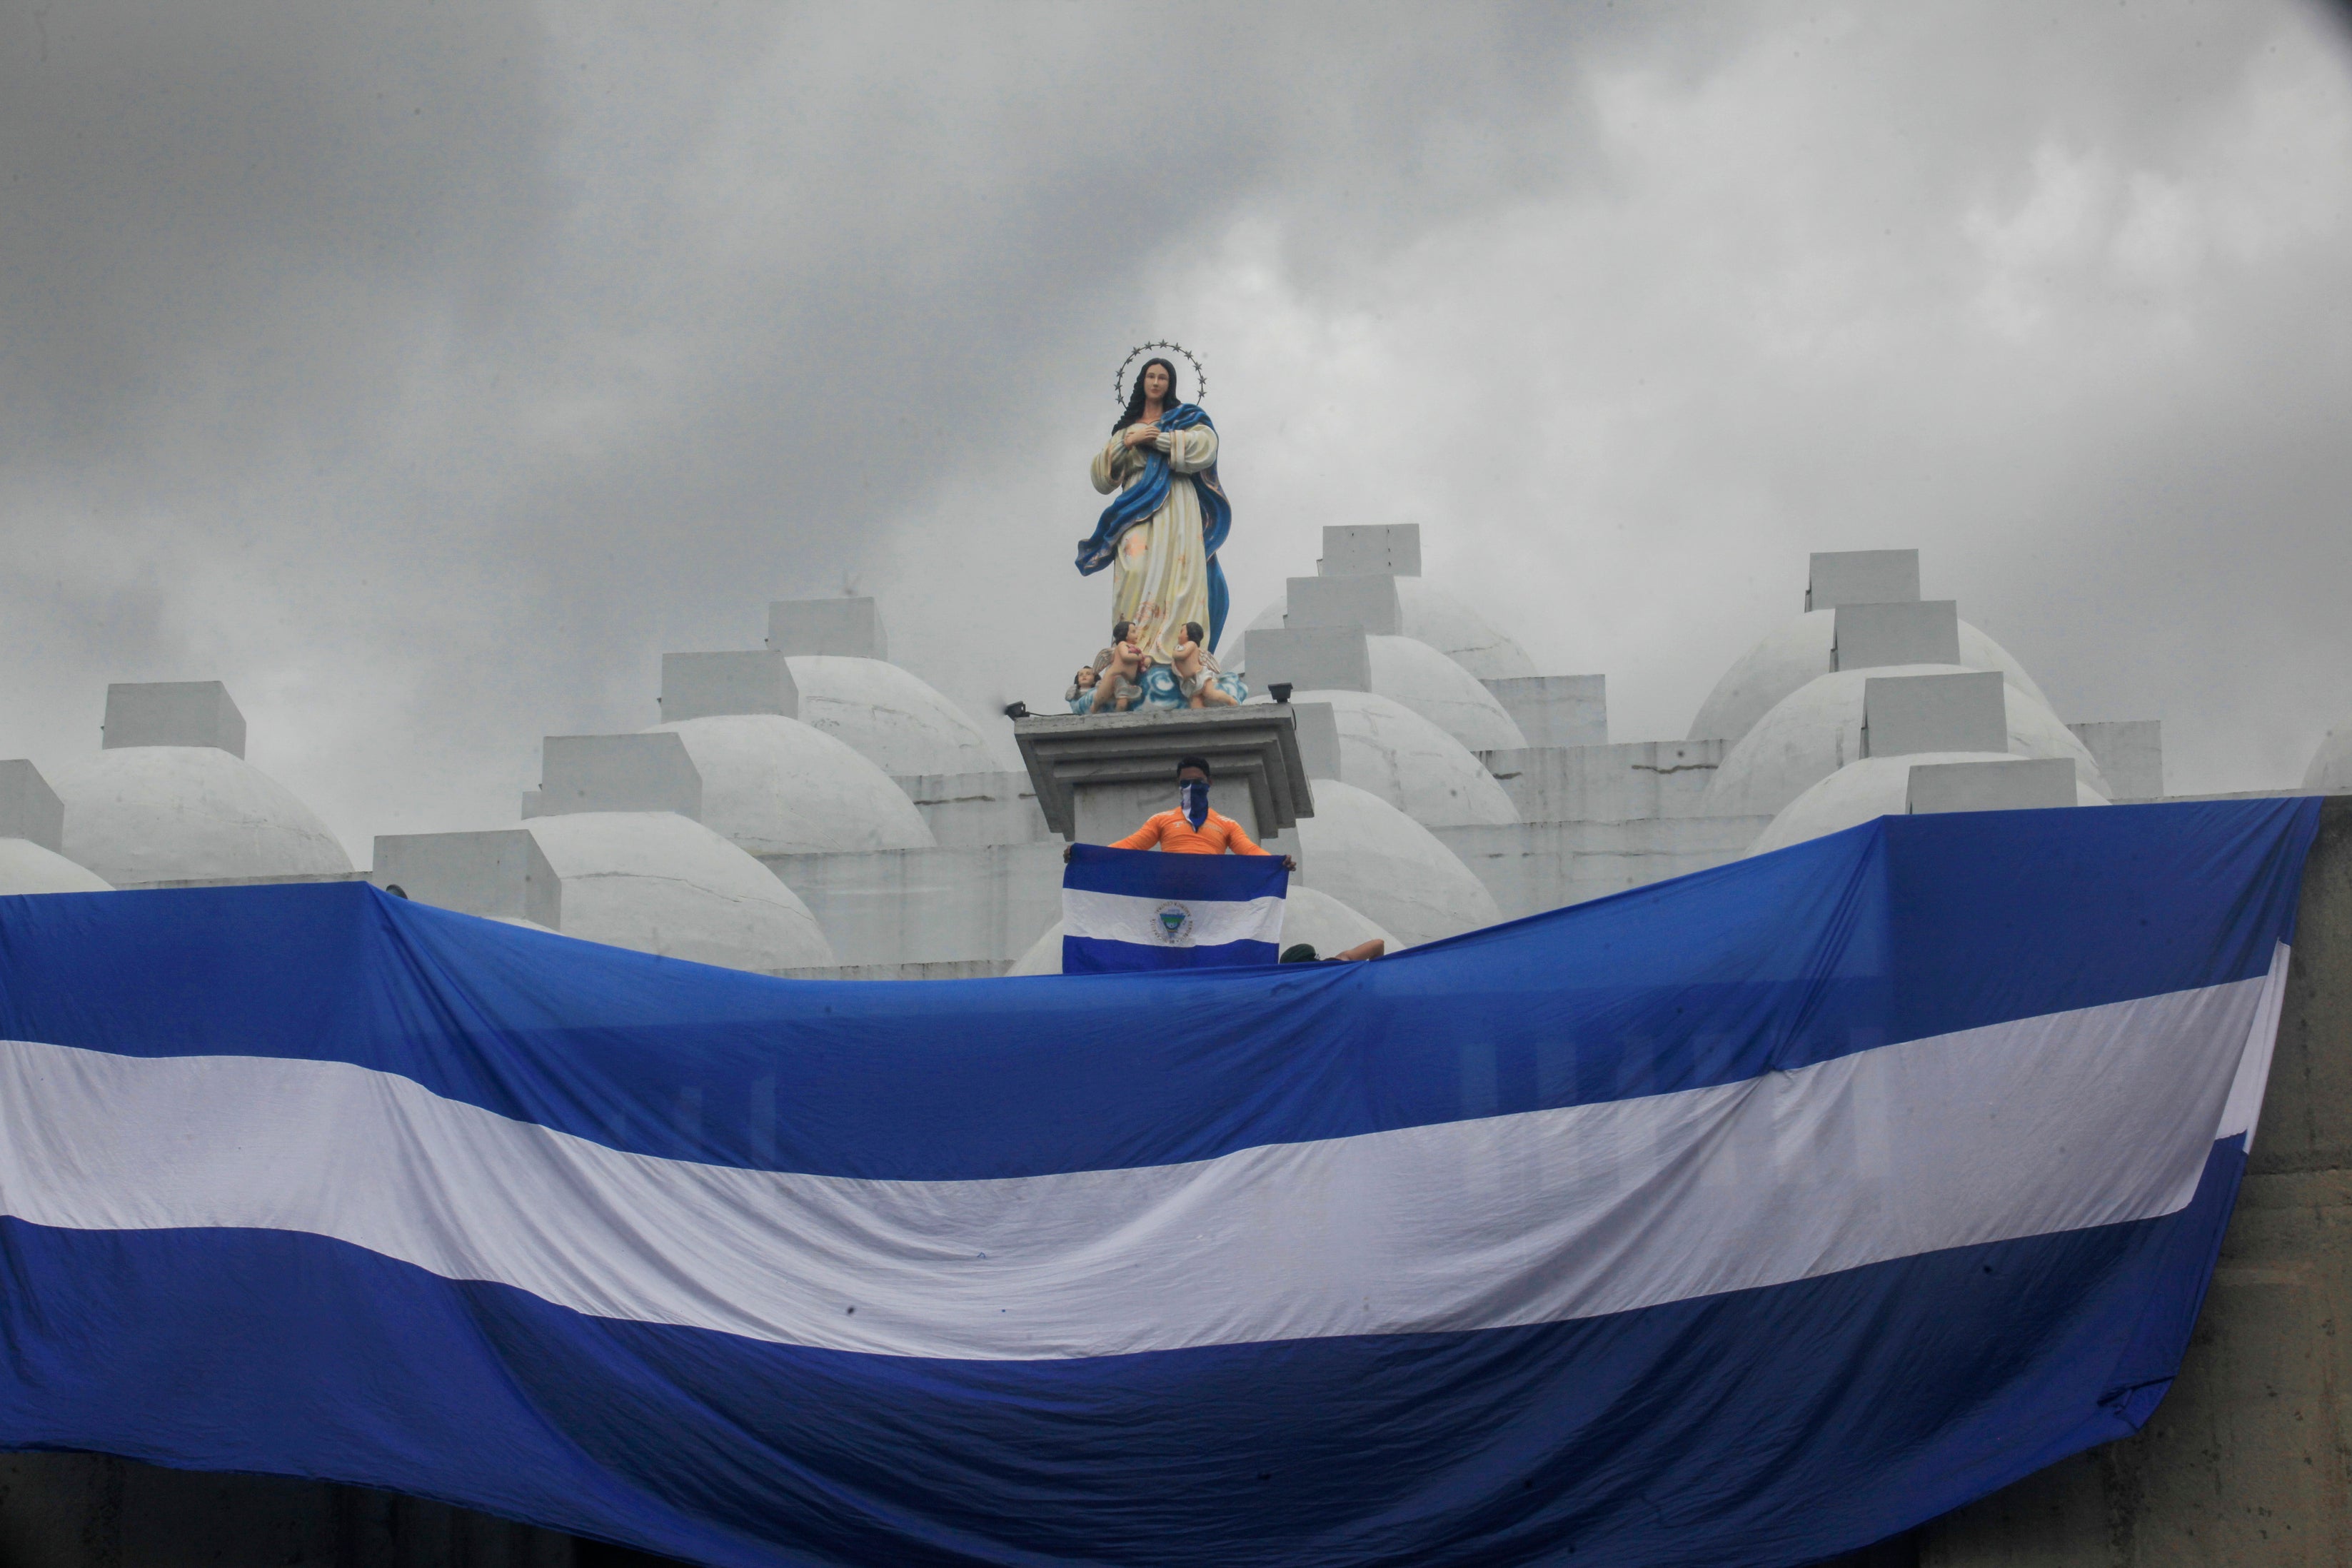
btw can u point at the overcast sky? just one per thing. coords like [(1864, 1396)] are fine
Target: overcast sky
[(425, 371)]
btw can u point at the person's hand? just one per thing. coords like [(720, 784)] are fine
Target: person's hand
[(1141, 434), (1290, 862), (1069, 853)]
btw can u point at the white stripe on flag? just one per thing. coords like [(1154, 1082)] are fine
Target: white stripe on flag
[(1212, 922), (2046, 1124)]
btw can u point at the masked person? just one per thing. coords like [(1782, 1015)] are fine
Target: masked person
[(1193, 828)]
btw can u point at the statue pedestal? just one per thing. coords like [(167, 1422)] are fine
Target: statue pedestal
[(1100, 776)]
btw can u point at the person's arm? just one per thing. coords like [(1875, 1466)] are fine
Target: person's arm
[(1360, 952), (1241, 843), (1143, 837)]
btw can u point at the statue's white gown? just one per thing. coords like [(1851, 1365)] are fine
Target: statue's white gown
[(1160, 578)]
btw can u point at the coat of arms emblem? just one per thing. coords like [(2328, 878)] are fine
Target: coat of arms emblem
[(1175, 924)]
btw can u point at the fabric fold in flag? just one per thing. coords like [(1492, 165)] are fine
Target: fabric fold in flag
[(1744, 1219), (1145, 909)]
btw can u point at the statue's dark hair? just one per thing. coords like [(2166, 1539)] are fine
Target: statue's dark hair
[(1118, 630), (1192, 632), (1135, 398), (1200, 763)]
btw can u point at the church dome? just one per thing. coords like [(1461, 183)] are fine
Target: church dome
[(662, 883), (1817, 730), (139, 814), (895, 719), (777, 786), (2331, 766), (1798, 652), (27, 867), (1431, 616), (1451, 626), (1864, 791), (1395, 753), (1375, 859), (1434, 686), (1316, 919)]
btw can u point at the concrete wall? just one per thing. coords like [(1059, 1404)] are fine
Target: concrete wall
[(1606, 784), (2131, 755), (1556, 709), (1531, 867), (2249, 1458), (966, 810), (930, 906), (91, 1510)]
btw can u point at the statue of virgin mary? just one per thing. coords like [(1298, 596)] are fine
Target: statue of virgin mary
[(1160, 537)]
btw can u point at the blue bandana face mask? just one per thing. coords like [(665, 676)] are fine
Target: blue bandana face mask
[(1192, 800)]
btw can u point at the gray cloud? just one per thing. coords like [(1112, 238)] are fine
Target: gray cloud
[(424, 372)]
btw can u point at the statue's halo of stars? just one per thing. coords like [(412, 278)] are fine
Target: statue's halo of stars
[(1119, 389)]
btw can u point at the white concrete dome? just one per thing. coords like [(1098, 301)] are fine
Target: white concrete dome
[(777, 786), (1864, 791), (1817, 730), (1797, 652), (659, 882), (1431, 614), (894, 719), (1442, 691), (2331, 766), (27, 867), (1315, 918), (1379, 861), (1401, 757), (187, 813)]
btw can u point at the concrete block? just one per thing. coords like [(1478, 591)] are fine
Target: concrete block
[(1379, 550), (2131, 755), (701, 684), (1318, 738), (1311, 658), (952, 969), (929, 906), (967, 810), (2022, 784), (499, 875), (173, 713), (1903, 714), (1629, 781), (1556, 709), (1869, 636), (1362, 604), (1099, 776), (1862, 577), (848, 627), (616, 773), (29, 808), (1531, 867)]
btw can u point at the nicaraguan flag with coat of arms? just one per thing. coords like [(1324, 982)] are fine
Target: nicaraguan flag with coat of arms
[(1741, 1220), (1146, 908)]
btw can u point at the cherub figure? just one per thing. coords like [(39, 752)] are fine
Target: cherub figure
[(1119, 673), (1198, 680)]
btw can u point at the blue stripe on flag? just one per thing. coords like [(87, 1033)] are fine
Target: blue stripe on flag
[(1901, 929), (1156, 874), (1088, 955), (1756, 1428)]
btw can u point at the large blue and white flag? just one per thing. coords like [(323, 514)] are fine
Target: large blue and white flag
[(1741, 1220), (1146, 908)]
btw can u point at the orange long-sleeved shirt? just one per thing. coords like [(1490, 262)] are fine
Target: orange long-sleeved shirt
[(1177, 837)]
